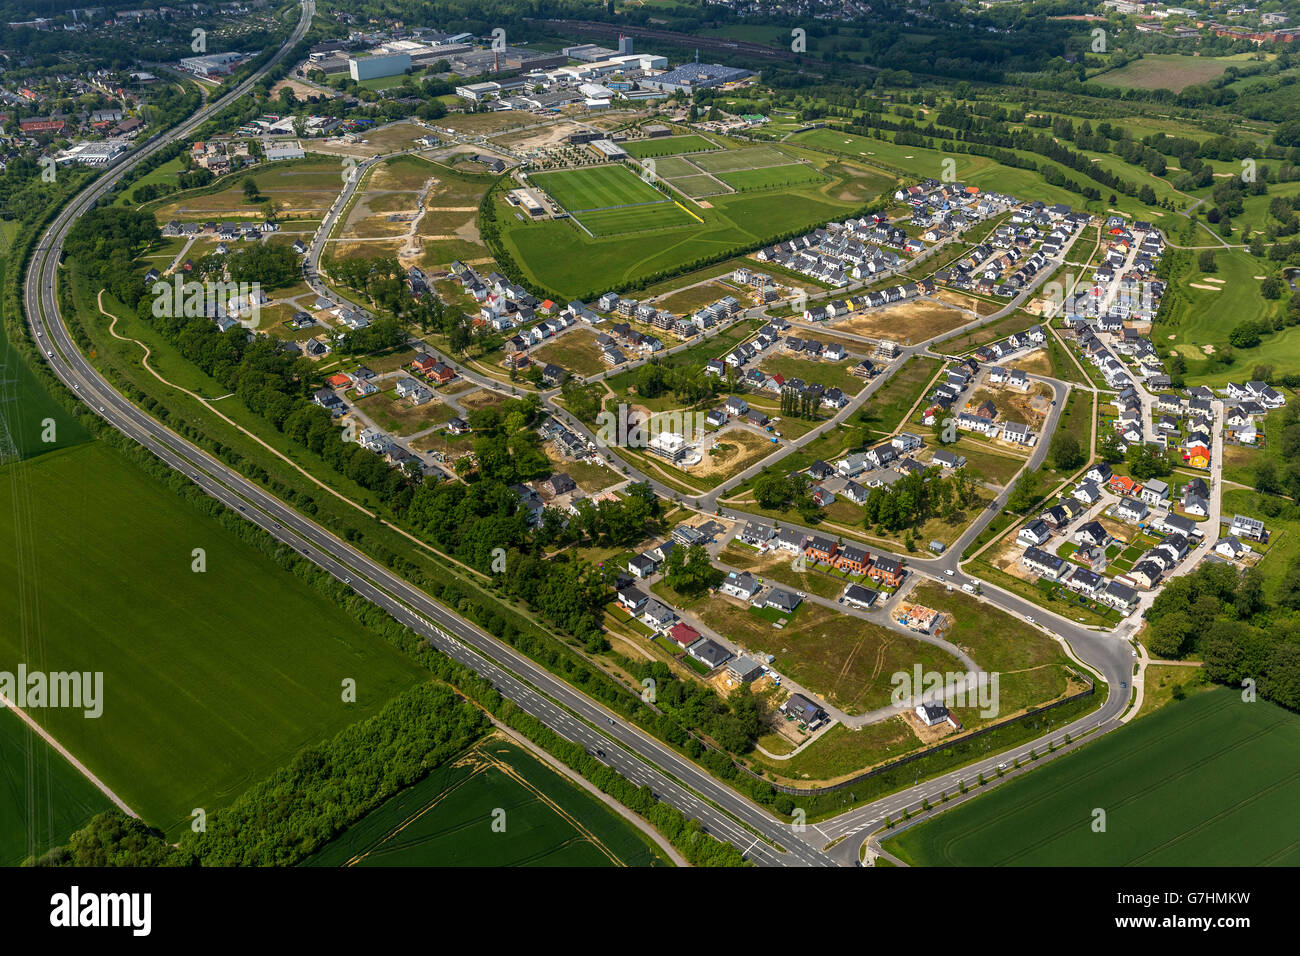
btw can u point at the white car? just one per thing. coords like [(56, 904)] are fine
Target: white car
[(948, 571), (1029, 619)]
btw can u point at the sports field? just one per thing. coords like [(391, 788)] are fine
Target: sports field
[(448, 818), (596, 187), (43, 799), (611, 200), (1206, 781), (667, 146), (211, 680), (569, 260)]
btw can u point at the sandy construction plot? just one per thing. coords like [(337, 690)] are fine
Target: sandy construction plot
[(905, 322)]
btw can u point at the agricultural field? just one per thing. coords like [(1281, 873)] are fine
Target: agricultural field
[(447, 820), (43, 798), (212, 679), (1206, 781), (1168, 71)]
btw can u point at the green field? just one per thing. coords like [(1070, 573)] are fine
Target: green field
[(447, 820), (1206, 781), (597, 187), (613, 222), (667, 146), (734, 160), (771, 177), (1168, 71), (559, 257), (211, 680), (43, 798)]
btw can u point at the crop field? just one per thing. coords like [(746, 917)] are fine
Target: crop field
[(447, 820), (43, 798), (1206, 781), (211, 679), (1168, 71), (667, 146)]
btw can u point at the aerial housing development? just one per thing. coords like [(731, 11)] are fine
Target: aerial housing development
[(625, 440)]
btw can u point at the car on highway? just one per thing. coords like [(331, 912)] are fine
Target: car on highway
[(968, 587), (1002, 766), (948, 571), (610, 720), (50, 354), (1029, 619)]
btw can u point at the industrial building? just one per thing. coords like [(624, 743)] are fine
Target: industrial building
[(374, 67)]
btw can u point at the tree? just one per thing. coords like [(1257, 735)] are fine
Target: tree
[(1206, 261), (689, 571), (1066, 453), (251, 192)]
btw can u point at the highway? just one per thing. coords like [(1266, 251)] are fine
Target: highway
[(641, 758)]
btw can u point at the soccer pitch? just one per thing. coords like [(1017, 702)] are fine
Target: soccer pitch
[(611, 200), (596, 187), (1207, 781)]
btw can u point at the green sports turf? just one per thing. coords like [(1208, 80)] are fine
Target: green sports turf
[(1207, 781), (667, 146), (770, 177), (675, 167), (447, 820), (733, 160), (697, 186), (613, 222), (43, 798), (596, 187), (211, 680)]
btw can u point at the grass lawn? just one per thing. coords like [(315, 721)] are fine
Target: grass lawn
[(1160, 680), (398, 416), (447, 820), (667, 146), (575, 351), (559, 257), (211, 680), (830, 374), (1209, 309), (886, 409), (44, 799), (1030, 664), (1207, 781), (845, 660), (595, 187), (841, 751)]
